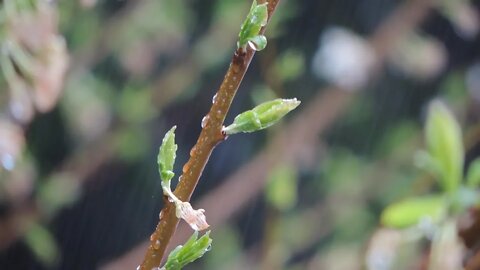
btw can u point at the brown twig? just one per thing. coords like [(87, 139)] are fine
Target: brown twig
[(210, 136)]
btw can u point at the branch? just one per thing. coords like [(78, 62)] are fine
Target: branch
[(328, 105), (210, 136)]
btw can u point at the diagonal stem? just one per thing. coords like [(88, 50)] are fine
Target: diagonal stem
[(210, 136)]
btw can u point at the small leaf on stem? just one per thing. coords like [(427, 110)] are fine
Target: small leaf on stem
[(193, 249), (256, 19), (167, 155), (262, 116)]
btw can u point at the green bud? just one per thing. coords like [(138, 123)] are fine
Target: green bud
[(249, 32), (167, 155), (258, 43), (262, 116), (193, 249), (444, 141)]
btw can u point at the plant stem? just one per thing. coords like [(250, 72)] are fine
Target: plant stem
[(210, 136)]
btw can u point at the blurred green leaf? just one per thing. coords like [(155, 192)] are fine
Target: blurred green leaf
[(444, 140), (167, 155), (410, 211), (290, 65), (42, 244), (135, 104), (473, 174), (131, 143), (262, 116), (193, 249), (281, 190), (59, 191)]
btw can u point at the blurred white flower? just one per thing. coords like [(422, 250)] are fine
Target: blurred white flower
[(344, 59)]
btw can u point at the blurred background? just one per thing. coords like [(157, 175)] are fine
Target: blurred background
[(89, 87)]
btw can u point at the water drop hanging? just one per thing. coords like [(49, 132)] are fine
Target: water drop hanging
[(204, 121)]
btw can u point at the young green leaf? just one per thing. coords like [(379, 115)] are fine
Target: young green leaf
[(473, 174), (444, 140), (249, 32), (167, 155), (409, 212), (193, 249), (262, 116)]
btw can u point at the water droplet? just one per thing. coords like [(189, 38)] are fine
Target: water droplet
[(205, 121), (8, 162), (214, 98), (160, 216), (208, 248), (186, 167), (152, 237), (139, 268), (157, 244), (180, 179)]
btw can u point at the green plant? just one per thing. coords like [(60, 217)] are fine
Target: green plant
[(213, 132), (445, 161)]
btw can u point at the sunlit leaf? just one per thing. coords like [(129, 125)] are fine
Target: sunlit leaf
[(281, 190), (42, 243), (444, 140), (409, 212)]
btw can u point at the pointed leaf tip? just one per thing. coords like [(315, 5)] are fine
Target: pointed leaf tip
[(167, 154)]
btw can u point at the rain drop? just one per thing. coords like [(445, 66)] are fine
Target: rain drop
[(138, 267), (204, 121), (208, 248), (180, 179), (186, 167), (157, 244), (8, 162), (214, 98)]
